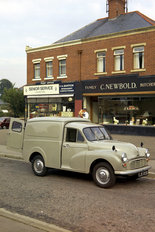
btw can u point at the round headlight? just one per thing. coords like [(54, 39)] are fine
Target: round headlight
[(147, 154), (124, 158)]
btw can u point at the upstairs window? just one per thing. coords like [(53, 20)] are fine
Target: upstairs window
[(49, 69), (36, 67), (138, 57), (119, 59), (101, 62), (37, 71), (62, 66)]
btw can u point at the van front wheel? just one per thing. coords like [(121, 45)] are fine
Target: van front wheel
[(103, 175), (38, 166)]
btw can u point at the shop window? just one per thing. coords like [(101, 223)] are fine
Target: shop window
[(37, 71), (101, 62), (49, 69), (127, 110), (38, 107), (119, 59), (62, 66), (138, 57)]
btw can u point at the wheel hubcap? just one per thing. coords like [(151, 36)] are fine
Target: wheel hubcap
[(38, 166), (102, 175)]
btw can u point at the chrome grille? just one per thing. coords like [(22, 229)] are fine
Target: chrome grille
[(138, 163)]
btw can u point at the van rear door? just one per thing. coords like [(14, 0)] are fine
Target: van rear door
[(16, 133)]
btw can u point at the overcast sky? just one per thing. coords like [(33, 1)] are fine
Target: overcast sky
[(41, 22)]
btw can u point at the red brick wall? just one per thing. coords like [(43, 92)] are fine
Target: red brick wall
[(116, 7), (78, 107), (88, 57)]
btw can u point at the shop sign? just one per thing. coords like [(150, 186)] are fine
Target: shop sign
[(119, 84), (41, 90), (66, 88)]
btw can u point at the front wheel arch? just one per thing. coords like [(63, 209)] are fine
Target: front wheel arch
[(96, 162)]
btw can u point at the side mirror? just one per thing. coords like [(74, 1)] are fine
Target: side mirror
[(141, 144)]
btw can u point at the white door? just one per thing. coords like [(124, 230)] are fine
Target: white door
[(15, 135)]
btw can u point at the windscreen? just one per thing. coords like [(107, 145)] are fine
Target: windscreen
[(96, 133)]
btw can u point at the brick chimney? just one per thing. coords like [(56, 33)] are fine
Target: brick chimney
[(116, 8)]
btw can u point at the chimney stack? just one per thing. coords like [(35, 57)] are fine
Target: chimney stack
[(116, 8)]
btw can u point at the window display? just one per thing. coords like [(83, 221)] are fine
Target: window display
[(127, 110)]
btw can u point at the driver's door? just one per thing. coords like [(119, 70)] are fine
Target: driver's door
[(74, 150)]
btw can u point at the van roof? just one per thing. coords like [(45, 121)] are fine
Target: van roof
[(58, 119)]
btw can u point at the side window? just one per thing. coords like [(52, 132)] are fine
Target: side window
[(74, 135), (16, 126), (80, 138), (71, 135)]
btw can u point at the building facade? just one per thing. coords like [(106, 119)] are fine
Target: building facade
[(107, 67)]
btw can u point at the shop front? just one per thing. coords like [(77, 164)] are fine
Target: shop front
[(126, 100), (55, 99)]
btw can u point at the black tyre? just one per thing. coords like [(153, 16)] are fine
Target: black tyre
[(38, 166), (103, 175)]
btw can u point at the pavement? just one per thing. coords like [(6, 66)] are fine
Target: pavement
[(12, 222)]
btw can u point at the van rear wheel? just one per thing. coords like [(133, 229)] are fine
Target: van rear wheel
[(38, 166)]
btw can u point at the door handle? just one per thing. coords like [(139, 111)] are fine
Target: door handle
[(66, 145)]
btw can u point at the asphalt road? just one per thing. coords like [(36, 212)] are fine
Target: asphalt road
[(72, 201)]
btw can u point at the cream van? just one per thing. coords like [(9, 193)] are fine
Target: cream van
[(76, 144)]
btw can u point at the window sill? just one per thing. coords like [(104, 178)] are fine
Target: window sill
[(138, 70), (61, 77), (117, 72), (37, 79), (100, 73), (48, 78)]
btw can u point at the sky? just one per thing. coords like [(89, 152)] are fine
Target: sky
[(38, 23)]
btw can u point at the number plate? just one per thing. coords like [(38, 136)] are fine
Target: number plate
[(145, 173)]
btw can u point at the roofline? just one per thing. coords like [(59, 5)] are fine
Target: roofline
[(149, 20), (86, 40)]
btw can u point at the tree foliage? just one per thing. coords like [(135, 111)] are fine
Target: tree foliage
[(5, 83), (15, 99)]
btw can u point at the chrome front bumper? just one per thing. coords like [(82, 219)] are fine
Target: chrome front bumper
[(132, 172)]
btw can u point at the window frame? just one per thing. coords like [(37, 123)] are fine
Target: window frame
[(49, 70), (101, 59), (138, 57), (36, 69), (77, 135), (119, 54), (47, 61), (61, 59)]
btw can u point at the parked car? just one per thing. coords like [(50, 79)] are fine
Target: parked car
[(76, 144), (4, 124)]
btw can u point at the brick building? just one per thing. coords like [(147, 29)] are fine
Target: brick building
[(107, 66)]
